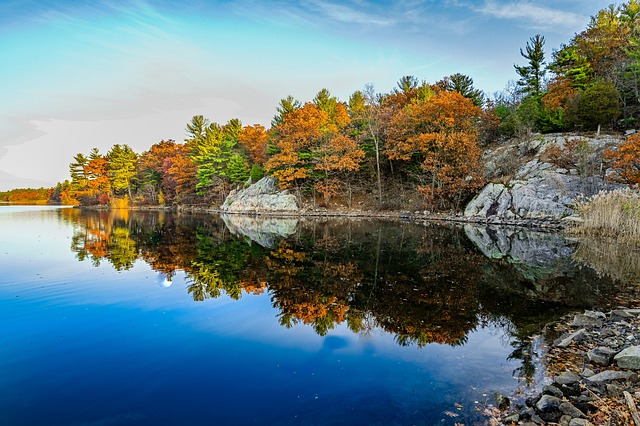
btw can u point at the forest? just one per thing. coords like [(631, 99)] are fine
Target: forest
[(418, 146)]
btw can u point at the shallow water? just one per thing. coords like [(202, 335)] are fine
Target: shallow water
[(155, 318)]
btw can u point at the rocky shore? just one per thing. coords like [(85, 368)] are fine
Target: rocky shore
[(592, 368)]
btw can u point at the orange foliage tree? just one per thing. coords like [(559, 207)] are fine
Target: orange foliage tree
[(151, 171), (440, 133), (626, 161), (310, 143), (180, 175), (254, 140)]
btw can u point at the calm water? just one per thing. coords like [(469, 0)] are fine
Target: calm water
[(164, 319)]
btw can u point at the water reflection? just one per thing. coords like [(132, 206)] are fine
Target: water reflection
[(425, 284)]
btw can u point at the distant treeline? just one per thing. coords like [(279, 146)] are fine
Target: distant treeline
[(27, 196)]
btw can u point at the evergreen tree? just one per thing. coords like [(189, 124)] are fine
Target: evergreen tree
[(532, 75)]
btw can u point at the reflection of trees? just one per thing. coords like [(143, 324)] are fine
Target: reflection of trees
[(423, 284), (310, 291)]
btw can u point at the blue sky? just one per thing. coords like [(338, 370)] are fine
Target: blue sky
[(79, 74)]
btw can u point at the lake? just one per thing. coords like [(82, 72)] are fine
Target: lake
[(158, 318)]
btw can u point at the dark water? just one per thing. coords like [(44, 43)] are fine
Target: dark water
[(110, 318)]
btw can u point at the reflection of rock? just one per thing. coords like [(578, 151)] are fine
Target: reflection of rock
[(266, 231), (535, 249), (261, 197), (520, 245)]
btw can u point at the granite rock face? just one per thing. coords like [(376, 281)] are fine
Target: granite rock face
[(538, 188), (263, 196)]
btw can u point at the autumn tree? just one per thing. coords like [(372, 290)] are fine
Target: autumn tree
[(440, 134), (254, 141), (367, 116), (151, 171), (626, 161), (180, 174), (99, 183), (294, 140)]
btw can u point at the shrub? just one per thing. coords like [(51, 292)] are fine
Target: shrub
[(626, 161), (613, 213)]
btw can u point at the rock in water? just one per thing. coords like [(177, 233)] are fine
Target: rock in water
[(263, 196)]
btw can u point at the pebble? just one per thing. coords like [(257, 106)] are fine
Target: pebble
[(609, 345)]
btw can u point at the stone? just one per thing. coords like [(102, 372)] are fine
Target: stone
[(622, 313), (263, 196), (565, 341), (587, 372), (581, 320), (548, 408), (629, 358), (567, 378), (552, 390), (532, 400), (564, 420), (539, 189), (601, 355), (569, 409), (609, 375), (513, 418), (580, 422), (502, 401)]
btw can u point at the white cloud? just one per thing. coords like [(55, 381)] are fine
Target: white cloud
[(347, 14), (538, 16)]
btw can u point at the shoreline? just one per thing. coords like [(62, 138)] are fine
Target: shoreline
[(591, 375), (540, 223)]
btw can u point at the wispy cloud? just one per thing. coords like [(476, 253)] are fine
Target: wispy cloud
[(349, 14), (538, 16)]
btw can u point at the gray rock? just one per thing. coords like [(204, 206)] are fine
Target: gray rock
[(262, 196), (565, 341), (601, 355), (548, 403), (513, 418), (629, 358), (587, 372), (622, 313), (539, 189), (581, 320), (567, 378), (609, 375), (564, 420), (548, 408), (569, 409), (552, 390), (580, 422)]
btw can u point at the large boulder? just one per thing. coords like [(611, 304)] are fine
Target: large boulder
[(263, 196), (538, 188)]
